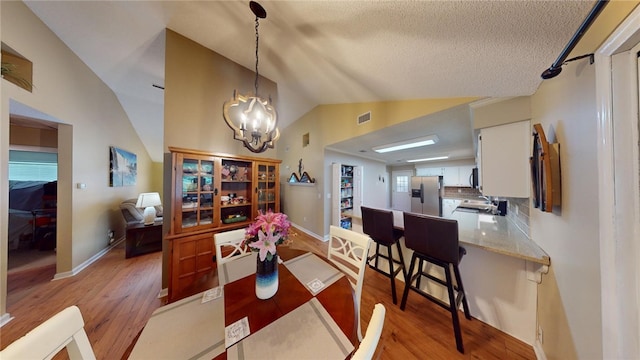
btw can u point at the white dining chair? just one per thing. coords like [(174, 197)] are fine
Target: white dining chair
[(228, 248), (64, 329), (369, 344), (348, 250)]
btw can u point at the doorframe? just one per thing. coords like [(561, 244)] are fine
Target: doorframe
[(619, 230)]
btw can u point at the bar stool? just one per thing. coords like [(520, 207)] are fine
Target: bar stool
[(378, 224), (435, 240)]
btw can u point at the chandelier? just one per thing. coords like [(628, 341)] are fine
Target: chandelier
[(252, 118)]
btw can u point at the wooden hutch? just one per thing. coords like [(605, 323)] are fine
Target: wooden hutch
[(213, 193)]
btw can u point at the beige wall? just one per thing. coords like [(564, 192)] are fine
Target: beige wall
[(91, 119), (502, 112), (566, 109), (569, 296), (197, 83)]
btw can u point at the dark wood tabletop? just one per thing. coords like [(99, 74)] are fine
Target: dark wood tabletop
[(240, 300)]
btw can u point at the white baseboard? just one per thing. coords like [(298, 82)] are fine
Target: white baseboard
[(5, 318), (310, 233), (91, 260), (537, 348), (164, 292)]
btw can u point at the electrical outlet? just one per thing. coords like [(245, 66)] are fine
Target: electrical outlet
[(540, 334), (110, 235), (304, 219)]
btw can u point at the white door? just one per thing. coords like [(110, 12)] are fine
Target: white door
[(400, 191)]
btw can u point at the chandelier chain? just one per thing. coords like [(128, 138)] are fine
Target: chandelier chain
[(257, 41)]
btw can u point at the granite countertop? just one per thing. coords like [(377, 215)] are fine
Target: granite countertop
[(492, 233)]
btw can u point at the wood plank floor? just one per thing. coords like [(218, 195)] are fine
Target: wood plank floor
[(117, 296)]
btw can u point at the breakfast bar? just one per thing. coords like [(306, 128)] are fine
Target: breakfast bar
[(501, 271), (492, 233)]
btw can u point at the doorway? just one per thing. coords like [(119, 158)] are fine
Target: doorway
[(33, 187), (617, 91), (400, 199)]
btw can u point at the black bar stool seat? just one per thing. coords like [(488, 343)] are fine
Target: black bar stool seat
[(435, 240), (378, 224)]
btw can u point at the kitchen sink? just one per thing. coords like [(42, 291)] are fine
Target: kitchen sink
[(477, 206)]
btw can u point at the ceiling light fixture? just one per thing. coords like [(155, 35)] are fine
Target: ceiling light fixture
[(408, 144), (252, 118), (429, 159)]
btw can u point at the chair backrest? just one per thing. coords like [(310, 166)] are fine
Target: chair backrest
[(65, 329), (378, 224), (348, 250), (370, 341), (228, 248), (432, 236)]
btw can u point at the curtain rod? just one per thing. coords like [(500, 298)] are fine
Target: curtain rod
[(556, 67)]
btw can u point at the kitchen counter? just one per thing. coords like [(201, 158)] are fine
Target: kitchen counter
[(492, 233)]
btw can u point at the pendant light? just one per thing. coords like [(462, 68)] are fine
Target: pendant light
[(252, 118)]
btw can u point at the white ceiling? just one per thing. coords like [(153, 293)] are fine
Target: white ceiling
[(326, 52)]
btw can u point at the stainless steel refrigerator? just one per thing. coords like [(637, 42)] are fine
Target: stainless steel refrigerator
[(426, 195)]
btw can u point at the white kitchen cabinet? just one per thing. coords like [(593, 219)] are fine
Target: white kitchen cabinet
[(505, 152), (451, 176), (457, 175), (449, 205), (430, 171)]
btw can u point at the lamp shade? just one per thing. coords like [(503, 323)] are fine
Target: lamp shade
[(148, 201)]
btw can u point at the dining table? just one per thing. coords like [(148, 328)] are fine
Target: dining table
[(312, 315)]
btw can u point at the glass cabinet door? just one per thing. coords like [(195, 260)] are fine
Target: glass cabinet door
[(198, 192), (267, 187)]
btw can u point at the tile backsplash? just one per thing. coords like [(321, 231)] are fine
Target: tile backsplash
[(518, 213), (461, 192)]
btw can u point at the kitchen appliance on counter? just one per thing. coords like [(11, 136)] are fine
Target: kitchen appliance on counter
[(426, 195)]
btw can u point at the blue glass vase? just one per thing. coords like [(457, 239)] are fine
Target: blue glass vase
[(266, 277)]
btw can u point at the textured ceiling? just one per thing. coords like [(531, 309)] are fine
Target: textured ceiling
[(323, 52)]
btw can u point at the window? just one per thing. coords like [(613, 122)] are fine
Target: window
[(402, 183), (32, 166)]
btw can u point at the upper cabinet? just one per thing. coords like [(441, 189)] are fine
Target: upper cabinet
[(220, 191), (458, 176), (504, 160)]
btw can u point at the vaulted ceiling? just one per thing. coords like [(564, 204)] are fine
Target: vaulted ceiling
[(323, 52)]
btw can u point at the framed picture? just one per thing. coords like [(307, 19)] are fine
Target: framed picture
[(123, 167)]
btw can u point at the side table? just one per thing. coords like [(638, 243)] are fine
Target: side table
[(143, 239)]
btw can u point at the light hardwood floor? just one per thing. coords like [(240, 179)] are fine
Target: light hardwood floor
[(117, 296)]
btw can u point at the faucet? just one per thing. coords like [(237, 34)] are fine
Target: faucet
[(485, 197)]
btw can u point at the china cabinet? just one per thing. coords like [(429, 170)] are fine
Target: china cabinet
[(213, 193)]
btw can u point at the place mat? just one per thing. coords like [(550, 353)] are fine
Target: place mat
[(187, 329), (314, 273), (306, 332), (242, 266)]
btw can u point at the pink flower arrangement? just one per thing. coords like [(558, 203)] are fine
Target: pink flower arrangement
[(269, 230)]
